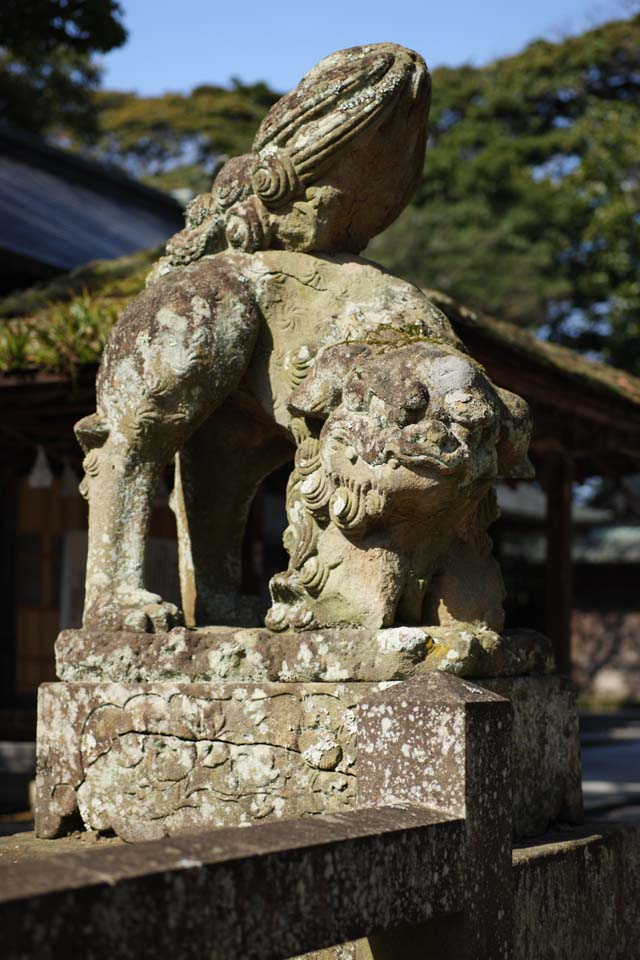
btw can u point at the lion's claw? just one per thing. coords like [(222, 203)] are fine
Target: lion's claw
[(136, 610)]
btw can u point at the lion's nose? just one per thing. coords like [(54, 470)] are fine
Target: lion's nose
[(468, 409)]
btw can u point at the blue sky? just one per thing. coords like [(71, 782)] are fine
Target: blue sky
[(177, 44)]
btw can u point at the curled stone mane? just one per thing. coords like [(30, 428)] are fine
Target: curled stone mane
[(340, 103)]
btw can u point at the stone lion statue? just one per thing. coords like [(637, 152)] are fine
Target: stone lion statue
[(263, 337)]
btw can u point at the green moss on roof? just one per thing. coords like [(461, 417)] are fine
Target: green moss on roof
[(62, 324), (118, 279), (59, 325)]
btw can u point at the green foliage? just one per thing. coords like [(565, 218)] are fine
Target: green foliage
[(47, 70), (529, 207), (59, 338), (179, 140), (15, 351), (529, 204)]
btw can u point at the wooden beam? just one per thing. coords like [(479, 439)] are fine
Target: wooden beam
[(558, 481)]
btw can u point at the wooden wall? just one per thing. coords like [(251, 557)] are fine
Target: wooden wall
[(42, 518)]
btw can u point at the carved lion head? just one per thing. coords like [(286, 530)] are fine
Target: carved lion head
[(420, 424)]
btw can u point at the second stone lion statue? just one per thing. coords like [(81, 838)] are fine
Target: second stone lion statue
[(263, 336)]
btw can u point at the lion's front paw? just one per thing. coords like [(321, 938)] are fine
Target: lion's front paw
[(133, 609), (148, 613)]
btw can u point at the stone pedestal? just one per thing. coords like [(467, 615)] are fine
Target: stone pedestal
[(152, 735)]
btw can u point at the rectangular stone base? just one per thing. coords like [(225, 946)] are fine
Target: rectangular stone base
[(147, 760)]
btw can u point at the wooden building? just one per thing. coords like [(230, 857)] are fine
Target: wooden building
[(586, 418)]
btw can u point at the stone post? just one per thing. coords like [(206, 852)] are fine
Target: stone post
[(438, 741)]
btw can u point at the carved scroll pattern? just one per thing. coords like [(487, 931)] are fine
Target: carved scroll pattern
[(156, 764)]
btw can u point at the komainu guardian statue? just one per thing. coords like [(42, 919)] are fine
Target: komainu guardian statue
[(263, 337)]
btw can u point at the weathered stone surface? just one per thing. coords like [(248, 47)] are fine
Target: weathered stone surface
[(388, 506), (576, 893), (27, 846), (437, 740), (546, 751), (577, 897), (477, 652), (148, 760), (257, 655), (358, 950)]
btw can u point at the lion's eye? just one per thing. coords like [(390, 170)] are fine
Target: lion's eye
[(418, 396)]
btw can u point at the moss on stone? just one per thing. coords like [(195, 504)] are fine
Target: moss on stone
[(120, 278), (62, 337)]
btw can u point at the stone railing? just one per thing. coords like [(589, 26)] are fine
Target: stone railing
[(423, 868)]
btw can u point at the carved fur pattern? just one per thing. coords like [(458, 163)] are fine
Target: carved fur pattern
[(352, 502), (297, 366), (314, 501), (300, 537), (299, 139), (314, 575), (308, 456), (274, 179), (289, 315)]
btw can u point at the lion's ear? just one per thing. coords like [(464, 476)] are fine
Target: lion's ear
[(316, 397), (321, 392), (514, 437)]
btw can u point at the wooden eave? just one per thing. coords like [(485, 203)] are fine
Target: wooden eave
[(41, 408)]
